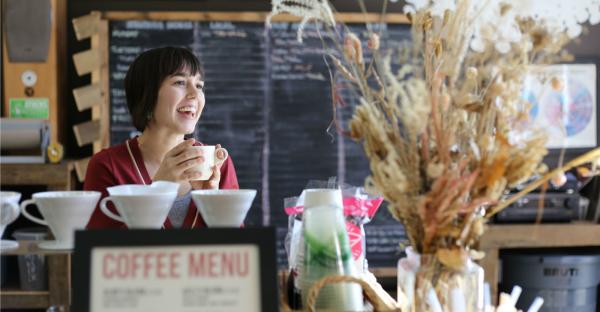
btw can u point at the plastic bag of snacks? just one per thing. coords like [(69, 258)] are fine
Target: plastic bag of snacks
[(359, 208)]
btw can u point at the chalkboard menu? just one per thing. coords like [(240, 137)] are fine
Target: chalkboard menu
[(268, 101)]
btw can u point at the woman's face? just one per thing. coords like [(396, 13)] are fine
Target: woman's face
[(179, 104)]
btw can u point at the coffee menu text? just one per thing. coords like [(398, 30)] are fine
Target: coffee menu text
[(198, 278)]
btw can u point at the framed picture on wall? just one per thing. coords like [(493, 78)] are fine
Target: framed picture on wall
[(214, 269), (563, 103)]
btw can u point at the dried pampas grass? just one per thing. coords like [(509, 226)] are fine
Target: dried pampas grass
[(447, 132)]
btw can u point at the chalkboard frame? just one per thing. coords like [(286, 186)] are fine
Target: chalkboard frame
[(391, 18), (101, 42), (351, 19)]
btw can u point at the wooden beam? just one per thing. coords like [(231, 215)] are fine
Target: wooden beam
[(86, 26), (19, 299), (59, 280), (540, 235), (55, 176), (87, 132), (384, 272), (491, 270), (100, 77), (86, 61), (393, 18), (81, 168), (88, 96), (62, 71)]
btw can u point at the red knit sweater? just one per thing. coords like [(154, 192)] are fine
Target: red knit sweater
[(114, 166)]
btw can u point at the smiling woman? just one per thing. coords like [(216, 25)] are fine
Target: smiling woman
[(165, 97), (179, 80)]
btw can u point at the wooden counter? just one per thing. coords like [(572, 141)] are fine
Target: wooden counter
[(496, 237), (510, 236)]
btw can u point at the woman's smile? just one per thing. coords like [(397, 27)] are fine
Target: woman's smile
[(188, 111)]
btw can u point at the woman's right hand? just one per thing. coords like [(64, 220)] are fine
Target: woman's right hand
[(178, 163)]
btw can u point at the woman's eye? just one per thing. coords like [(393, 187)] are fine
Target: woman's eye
[(180, 83), (200, 87)]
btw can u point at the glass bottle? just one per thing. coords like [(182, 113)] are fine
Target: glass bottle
[(439, 288)]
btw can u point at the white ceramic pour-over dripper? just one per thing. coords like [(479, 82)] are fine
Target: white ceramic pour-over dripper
[(9, 212), (223, 208), (63, 212), (141, 206)]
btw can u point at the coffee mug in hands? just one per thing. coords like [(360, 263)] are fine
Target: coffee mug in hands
[(141, 206), (9, 212), (212, 156), (63, 212)]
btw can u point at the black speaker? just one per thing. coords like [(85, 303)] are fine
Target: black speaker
[(27, 29)]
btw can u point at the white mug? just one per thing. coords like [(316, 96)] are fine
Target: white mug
[(141, 206), (63, 212), (209, 153), (9, 212)]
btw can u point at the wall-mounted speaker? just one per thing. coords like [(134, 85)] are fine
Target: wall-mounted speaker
[(33, 60), (27, 29)]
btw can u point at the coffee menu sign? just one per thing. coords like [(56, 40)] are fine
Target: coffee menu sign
[(221, 278), (233, 274)]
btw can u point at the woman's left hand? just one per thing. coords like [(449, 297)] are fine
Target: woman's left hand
[(213, 182)]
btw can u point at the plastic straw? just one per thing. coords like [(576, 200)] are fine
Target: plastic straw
[(409, 284), (514, 295), (457, 298), (433, 301), (536, 305), (487, 295)]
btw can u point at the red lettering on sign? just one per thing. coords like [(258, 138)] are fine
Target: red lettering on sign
[(196, 264), (227, 264), (174, 264), (218, 264), (122, 266), (145, 265), (213, 261), (160, 264), (148, 265), (243, 267), (105, 263), (135, 265)]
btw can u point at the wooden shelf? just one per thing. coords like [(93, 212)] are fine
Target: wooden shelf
[(499, 236), (31, 247), (509, 236), (541, 235), (384, 272), (20, 299), (55, 176), (59, 281)]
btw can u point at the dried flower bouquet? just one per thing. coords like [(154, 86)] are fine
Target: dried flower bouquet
[(448, 132)]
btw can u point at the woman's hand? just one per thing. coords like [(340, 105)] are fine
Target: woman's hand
[(178, 164), (215, 178)]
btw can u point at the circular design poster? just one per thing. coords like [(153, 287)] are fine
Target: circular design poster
[(570, 109), (568, 114)]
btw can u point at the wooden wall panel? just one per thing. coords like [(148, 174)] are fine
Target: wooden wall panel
[(51, 74)]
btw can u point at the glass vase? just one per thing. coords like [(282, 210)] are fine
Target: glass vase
[(432, 286)]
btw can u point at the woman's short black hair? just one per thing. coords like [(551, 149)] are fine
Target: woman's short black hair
[(147, 73)]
